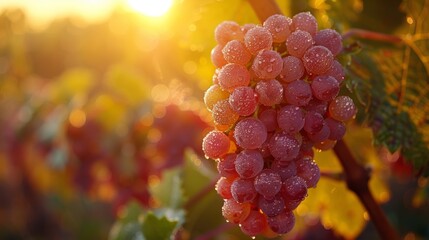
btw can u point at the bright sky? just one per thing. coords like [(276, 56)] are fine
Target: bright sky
[(40, 12)]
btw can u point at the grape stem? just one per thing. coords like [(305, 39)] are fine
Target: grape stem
[(336, 176), (370, 35), (357, 177)]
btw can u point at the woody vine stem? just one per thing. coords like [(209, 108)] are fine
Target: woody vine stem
[(356, 176)]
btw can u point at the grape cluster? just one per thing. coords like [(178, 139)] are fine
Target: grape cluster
[(274, 98)]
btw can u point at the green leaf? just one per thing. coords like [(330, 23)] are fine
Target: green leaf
[(127, 227), (169, 192), (391, 85), (158, 228)]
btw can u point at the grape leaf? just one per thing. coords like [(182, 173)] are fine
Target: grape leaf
[(390, 83), (168, 192), (158, 228), (127, 227)]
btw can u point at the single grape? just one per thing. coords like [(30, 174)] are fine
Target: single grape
[(246, 27), (284, 169), (213, 95), (250, 133), (330, 39), (278, 25), (269, 118), (223, 114), (233, 75), (293, 69), (294, 188), (342, 108), (306, 22), (242, 190), (254, 224), (217, 56), (236, 52), (215, 144), (283, 146), (270, 92), (316, 105), (309, 171), (243, 101), (268, 183), (321, 135), (313, 122), (336, 71), (249, 163), (235, 212), (226, 166), (223, 187), (317, 60), (267, 64), (257, 39), (325, 88), (227, 31), (291, 204), (298, 42), (290, 118), (271, 207), (282, 223), (298, 93), (337, 129)]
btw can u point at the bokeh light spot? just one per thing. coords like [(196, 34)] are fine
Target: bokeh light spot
[(77, 118)]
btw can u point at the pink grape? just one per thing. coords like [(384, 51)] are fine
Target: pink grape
[(336, 71), (342, 108), (223, 188), (313, 122), (213, 95), (227, 31), (242, 190), (321, 135), (223, 114), (236, 52), (268, 183), (293, 69), (290, 118), (306, 22), (215, 144), (294, 188), (325, 88), (283, 146), (270, 92), (284, 169), (235, 212), (250, 133), (243, 101), (246, 27), (267, 64), (337, 128), (278, 25), (271, 207), (257, 39), (330, 39), (249, 163), (226, 166), (309, 171), (282, 223), (317, 105), (298, 93), (217, 56), (298, 42), (254, 224), (269, 118), (317, 60), (233, 75)]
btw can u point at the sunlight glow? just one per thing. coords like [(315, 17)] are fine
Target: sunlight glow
[(153, 8)]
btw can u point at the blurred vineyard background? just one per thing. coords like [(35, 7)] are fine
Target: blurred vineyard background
[(101, 118)]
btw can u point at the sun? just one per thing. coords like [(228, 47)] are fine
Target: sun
[(153, 8)]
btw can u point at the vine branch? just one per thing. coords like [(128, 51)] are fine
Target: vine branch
[(356, 176)]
